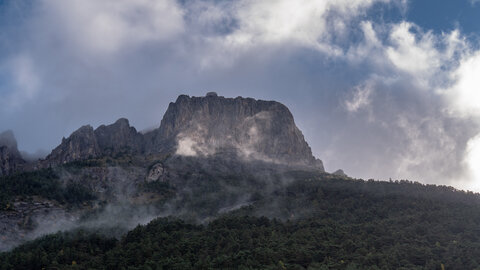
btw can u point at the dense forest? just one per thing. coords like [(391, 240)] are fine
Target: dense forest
[(313, 221), (44, 183)]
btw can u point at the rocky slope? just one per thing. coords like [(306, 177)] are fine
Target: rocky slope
[(10, 158)]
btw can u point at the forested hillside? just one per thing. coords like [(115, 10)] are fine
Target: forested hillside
[(316, 221)]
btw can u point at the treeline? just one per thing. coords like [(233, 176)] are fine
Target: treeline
[(243, 242)]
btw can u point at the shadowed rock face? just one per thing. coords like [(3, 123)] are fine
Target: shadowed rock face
[(82, 144), (86, 143), (257, 129), (10, 158), (119, 137)]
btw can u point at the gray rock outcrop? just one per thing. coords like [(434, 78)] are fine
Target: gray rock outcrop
[(10, 158), (119, 137), (340, 172), (200, 126), (82, 144), (257, 129), (86, 143)]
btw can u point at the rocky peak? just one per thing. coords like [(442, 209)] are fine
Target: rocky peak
[(200, 126), (81, 144), (7, 139), (340, 172), (257, 129), (119, 137), (106, 140), (10, 158)]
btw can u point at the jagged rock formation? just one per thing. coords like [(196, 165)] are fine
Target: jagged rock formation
[(119, 137), (87, 143), (10, 158), (157, 172), (200, 126), (80, 145), (340, 172), (257, 129)]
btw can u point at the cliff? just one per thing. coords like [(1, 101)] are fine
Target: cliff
[(86, 143), (10, 158), (200, 126), (255, 129)]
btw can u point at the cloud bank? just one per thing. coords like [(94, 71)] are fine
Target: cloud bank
[(378, 98)]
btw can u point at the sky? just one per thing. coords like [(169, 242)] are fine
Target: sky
[(383, 89)]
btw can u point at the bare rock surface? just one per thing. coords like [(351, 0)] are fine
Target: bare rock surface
[(157, 172), (86, 143), (10, 158), (199, 126), (257, 129)]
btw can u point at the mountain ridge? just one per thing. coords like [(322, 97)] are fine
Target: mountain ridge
[(198, 126)]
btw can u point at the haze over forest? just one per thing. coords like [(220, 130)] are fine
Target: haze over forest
[(380, 88)]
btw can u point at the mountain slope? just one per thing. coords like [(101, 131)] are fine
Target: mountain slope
[(228, 183), (327, 222)]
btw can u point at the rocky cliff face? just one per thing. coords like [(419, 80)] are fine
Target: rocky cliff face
[(82, 144), (200, 126), (10, 158), (256, 129), (119, 137), (87, 143)]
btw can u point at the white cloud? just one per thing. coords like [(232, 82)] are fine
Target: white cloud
[(472, 160), (474, 2), (26, 81), (414, 54), (463, 100), (436, 75), (25, 76), (428, 151), (361, 97), (186, 147), (105, 27), (370, 42), (305, 23), (464, 93)]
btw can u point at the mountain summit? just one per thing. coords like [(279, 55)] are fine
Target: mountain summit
[(255, 129), (200, 126), (86, 143)]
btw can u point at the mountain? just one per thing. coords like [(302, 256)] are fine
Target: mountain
[(200, 143), (255, 129), (86, 143), (222, 183), (246, 128), (119, 137), (10, 158)]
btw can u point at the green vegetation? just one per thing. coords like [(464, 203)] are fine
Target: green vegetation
[(44, 183), (316, 221), (59, 251), (159, 187)]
